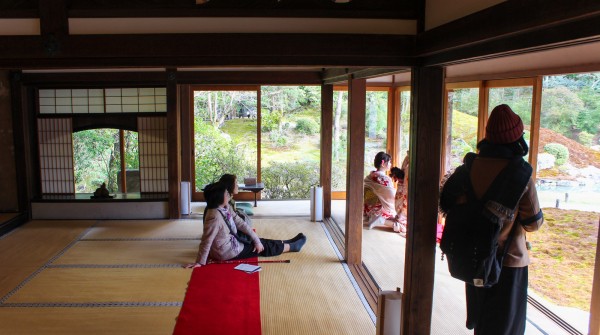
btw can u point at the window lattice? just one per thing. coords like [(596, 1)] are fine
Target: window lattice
[(56, 156), (103, 100), (152, 141)]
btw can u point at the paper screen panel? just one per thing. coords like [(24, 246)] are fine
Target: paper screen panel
[(56, 156)]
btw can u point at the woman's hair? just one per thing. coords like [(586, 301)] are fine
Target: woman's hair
[(381, 156), (214, 194), (397, 173), (516, 148), (229, 180)]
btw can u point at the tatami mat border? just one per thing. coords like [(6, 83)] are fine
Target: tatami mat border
[(359, 292), (113, 266), (142, 239), (95, 304), (55, 257)]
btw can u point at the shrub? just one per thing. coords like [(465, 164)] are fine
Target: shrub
[(277, 139), (559, 151), (586, 138), (307, 126), (290, 180)]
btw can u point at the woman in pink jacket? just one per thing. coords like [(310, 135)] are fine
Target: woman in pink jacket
[(226, 236)]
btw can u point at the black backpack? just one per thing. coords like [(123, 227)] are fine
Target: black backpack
[(470, 238)]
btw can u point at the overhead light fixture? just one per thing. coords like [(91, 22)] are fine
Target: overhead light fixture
[(341, 1), (201, 2)]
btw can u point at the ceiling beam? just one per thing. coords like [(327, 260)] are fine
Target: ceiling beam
[(509, 18), (337, 75), (189, 50), (380, 9)]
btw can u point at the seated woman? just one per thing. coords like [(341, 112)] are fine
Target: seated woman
[(379, 194), (221, 239), (397, 175), (230, 181)]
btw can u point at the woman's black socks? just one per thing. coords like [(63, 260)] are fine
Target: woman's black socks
[(296, 238), (298, 243)]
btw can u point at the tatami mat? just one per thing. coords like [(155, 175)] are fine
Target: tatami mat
[(91, 285), (89, 321), (139, 229), (131, 252), (312, 294)]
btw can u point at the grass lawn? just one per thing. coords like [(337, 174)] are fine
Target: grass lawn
[(563, 255)]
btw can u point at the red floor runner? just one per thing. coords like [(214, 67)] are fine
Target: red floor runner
[(221, 300)]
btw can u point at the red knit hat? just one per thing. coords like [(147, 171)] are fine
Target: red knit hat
[(503, 126)]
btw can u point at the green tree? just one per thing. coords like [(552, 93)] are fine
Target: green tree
[(560, 110)]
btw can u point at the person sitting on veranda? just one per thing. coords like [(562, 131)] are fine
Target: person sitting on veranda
[(220, 241), (379, 195), (230, 181), (397, 175)]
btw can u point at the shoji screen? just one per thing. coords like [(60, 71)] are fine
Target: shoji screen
[(152, 140), (56, 156)]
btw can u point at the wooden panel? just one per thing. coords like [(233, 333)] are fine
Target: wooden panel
[(249, 77), (154, 154), (357, 96), (595, 303), (21, 130), (425, 148), (326, 145)]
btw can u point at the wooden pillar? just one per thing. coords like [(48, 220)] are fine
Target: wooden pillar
[(357, 98), (534, 125), (173, 146), (595, 304), (187, 133), (326, 145), (423, 193), (23, 128)]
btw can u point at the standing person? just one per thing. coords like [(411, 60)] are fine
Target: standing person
[(379, 193), (230, 181), (500, 309), (222, 240)]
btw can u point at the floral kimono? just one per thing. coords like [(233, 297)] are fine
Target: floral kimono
[(379, 196)]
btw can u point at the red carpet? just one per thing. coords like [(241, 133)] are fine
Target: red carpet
[(221, 300)]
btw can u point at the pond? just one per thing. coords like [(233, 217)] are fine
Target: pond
[(570, 195)]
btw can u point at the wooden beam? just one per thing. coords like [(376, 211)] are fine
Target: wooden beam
[(357, 98), (423, 192), (95, 79), (173, 145), (192, 50), (585, 30), (287, 77), (53, 18), (338, 75), (381, 9), (508, 18), (326, 145), (595, 303)]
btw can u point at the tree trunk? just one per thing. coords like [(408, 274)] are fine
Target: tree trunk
[(337, 127)]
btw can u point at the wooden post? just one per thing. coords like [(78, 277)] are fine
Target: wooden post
[(534, 126), (595, 304), (173, 146), (187, 133), (357, 98), (423, 193), (326, 145)]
